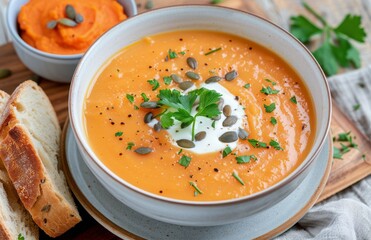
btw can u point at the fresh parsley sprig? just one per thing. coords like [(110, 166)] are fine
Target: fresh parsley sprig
[(180, 106), (336, 49)]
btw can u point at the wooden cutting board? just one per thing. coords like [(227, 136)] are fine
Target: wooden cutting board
[(343, 174)]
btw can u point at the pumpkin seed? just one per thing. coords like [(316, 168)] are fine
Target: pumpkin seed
[(176, 78), (242, 134), (143, 150), (79, 18), (67, 22), (51, 24), (227, 110), (70, 12), (148, 117), (192, 63), (193, 75), (185, 143), (213, 79), (220, 104), (157, 127), (149, 104), (228, 137), (229, 121), (4, 73), (231, 75), (185, 85), (200, 136)]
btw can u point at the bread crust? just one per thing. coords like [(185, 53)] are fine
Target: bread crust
[(50, 210)]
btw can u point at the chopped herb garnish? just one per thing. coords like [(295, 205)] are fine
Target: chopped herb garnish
[(337, 154), (235, 175), (20, 237), (216, 1), (245, 158), (257, 144), (130, 97), (293, 100), (180, 151), (130, 145), (182, 53), (136, 107), (273, 120), (227, 150), (194, 185), (167, 80), (275, 145), (185, 161), (144, 96), (149, 4), (268, 80), (344, 137), (269, 91), (213, 124), (247, 85), (212, 51), (118, 134), (270, 108), (172, 54), (356, 107), (154, 83), (182, 104)]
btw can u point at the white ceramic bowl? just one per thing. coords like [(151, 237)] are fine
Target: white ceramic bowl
[(55, 67), (207, 18)]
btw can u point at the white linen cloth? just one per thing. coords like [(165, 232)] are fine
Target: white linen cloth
[(346, 215)]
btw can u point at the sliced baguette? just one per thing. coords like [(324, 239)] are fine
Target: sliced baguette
[(29, 149), (14, 219)]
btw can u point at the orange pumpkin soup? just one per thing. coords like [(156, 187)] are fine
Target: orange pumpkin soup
[(199, 115), (67, 26)]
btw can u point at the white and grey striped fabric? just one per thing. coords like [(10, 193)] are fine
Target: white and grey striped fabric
[(347, 215)]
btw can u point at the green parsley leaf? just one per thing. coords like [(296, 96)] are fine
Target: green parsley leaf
[(167, 120), (268, 80), (182, 53), (270, 108), (154, 83), (351, 27), (144, 96), (245, 158), (167, 80), (185, 161), (269, 91), (326, 58), (337, 154), (118, 134), (356, 107), (130, 145), (227, 150), (344, 137), (302, 28), (235, 175), (213, 124), (275, 145), (180, 151), (172, 54), (130, 97), (273, 120), (293, 100), (20, 237), (194, 185), (257, 144), (212, 51), (247, 85)]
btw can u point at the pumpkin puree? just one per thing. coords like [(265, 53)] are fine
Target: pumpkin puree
[(113, 122), (99, 16)]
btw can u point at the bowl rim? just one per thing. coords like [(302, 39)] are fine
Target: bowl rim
[(17, 38), (293, 175)]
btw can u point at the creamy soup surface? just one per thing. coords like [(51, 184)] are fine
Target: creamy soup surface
[(272, 116)]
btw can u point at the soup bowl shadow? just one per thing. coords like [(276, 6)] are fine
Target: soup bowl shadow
[(55, 67), (249, 26)]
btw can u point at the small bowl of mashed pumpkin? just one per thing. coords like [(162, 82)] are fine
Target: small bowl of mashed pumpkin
[(50, 37)]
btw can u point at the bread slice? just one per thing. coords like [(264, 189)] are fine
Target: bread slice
[(14, 219), (29, 149)]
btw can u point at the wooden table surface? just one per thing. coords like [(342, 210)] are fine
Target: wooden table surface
[(344, 173)]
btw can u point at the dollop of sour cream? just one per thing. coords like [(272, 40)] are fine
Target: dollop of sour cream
[(211, 142)]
